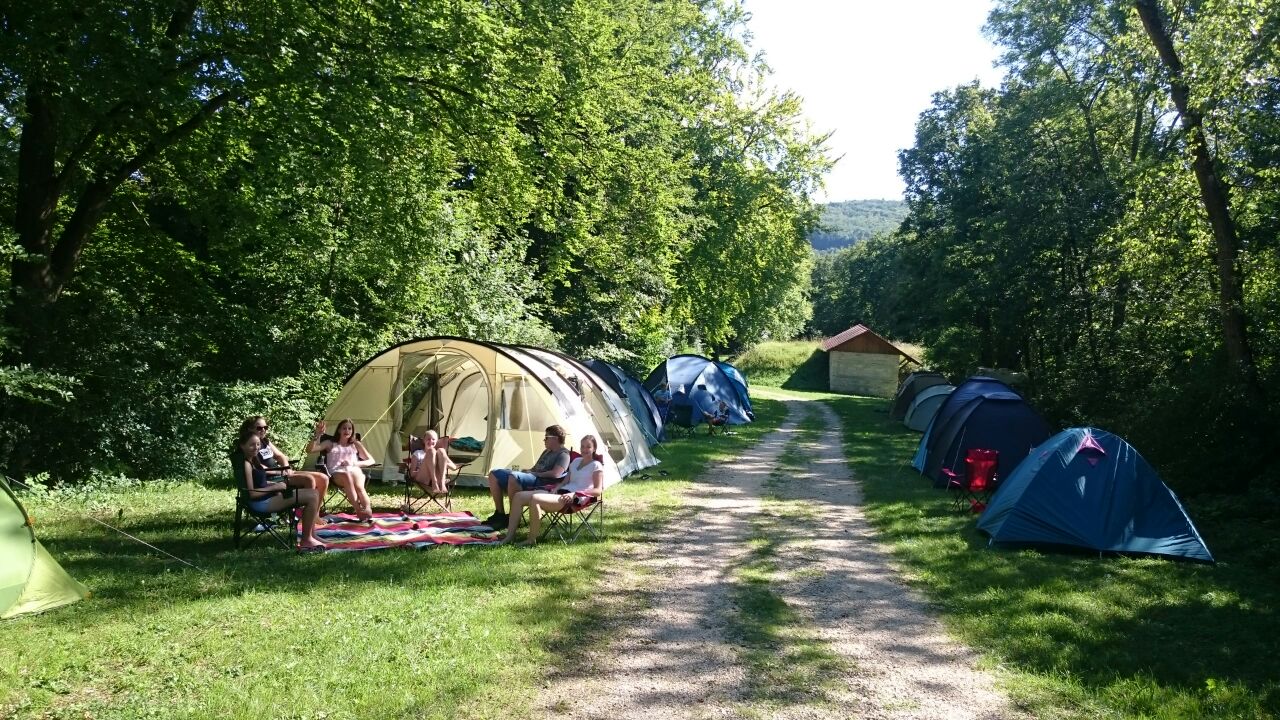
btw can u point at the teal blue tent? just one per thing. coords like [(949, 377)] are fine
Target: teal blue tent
[(1086, 488)]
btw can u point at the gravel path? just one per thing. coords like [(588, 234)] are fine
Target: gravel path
[(670, 610)]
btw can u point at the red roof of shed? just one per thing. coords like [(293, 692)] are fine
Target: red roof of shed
[(857, 330)]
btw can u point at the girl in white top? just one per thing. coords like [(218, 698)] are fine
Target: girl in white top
[(586, 476)]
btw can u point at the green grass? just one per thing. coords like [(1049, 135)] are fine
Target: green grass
[(794, 364), (1081, 636), (445, 632)]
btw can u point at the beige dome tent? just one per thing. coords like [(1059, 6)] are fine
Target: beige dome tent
[(30, 579), (494, 400), (619, 429)]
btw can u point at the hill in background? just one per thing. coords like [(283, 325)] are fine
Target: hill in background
[(845, 223)]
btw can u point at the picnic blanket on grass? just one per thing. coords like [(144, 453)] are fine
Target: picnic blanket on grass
[(344, 531)]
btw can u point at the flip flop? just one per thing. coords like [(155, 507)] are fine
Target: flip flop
[(307, 549), (663, 473)]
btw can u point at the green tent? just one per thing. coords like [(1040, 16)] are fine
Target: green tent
[(30, 579)]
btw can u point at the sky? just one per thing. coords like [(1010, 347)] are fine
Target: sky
[(866, 70)]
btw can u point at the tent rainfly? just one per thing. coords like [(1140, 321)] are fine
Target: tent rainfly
[(1088, 489), (913, 385), (494, 400), (30, 579)]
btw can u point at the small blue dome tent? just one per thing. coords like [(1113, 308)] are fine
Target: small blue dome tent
[(689, 385), (641, 402), (739, 384), (964, 392), (1000, 421), (1087, 488)]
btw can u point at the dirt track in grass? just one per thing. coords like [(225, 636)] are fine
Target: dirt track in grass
[(768, 597)]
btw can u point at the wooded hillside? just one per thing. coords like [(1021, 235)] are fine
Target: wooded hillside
[(852, 221)]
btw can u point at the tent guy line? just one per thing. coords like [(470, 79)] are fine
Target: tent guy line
[(111, 527)]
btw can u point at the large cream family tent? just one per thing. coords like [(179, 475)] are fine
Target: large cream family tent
[(30, 579), (620, 431), (494, 400)]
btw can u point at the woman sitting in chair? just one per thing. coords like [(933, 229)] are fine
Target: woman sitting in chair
[(277, 464), (586, 477), (430, 466), (345, 460), (266, 495)]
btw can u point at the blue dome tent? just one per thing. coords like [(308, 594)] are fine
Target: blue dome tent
[(739, 384), (641, 402), (689, 385), (1000, 421), (963, 393), (1087, 488)]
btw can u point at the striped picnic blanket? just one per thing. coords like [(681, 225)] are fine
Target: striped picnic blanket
[(345, 532)]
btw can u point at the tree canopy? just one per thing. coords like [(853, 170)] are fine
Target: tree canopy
[(215, 209), (1106, 220)]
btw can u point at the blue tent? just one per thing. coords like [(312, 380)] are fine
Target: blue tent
[(1087, 488), (1000, 421), (686, 386), (641, 402), (739, 384), (964, 392)]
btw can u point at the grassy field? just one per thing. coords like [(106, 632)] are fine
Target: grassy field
[(446, 632), (794, 364), (456, 632), (1080, 636)]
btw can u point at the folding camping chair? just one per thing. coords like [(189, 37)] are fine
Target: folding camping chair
[(249, 525), (334, 497), (583, 514), (418, 498), (718, 421), (679, 421), (979, 480)]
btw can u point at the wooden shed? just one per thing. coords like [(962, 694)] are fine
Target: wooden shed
[(863, 363)]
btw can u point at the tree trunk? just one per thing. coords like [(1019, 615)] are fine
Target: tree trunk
[(1214, 196)]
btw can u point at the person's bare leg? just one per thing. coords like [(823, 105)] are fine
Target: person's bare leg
[(344, 483), (425, 476), (495, 491), (513, 522), (310, 511), (312, 481), (535, 523), (440, 467), (364, 509)]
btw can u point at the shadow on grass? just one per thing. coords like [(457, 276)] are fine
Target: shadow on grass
[(1135, 634), (812, 374)]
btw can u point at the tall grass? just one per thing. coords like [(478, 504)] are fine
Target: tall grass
[(795, 365)]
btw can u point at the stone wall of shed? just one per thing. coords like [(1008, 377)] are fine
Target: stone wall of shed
[(871, 374)]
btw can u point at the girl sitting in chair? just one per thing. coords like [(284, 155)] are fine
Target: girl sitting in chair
[(586, 476), (345, 458), (267, 496), (430, 466)]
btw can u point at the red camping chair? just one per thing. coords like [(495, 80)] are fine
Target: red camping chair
[(583, 514), (979, 480)]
